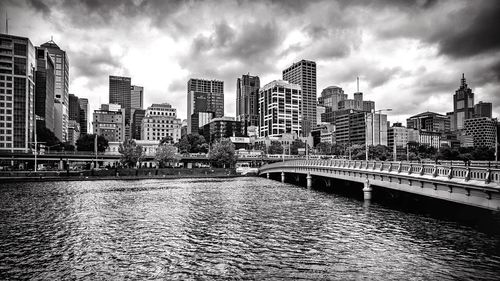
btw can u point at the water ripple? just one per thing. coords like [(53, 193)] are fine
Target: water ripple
[(236, 229)]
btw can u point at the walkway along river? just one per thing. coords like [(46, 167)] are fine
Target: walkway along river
[(237, 228)]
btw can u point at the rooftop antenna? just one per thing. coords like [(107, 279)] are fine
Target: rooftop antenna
[(6, 23), (357, 82)]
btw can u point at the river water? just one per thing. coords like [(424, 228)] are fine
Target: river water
[(214, 229)]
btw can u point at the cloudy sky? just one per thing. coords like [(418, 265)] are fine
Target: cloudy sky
[(409, 55)]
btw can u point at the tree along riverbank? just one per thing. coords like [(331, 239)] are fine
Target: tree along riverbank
[(115, 174)]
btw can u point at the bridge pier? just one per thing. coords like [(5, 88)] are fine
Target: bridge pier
[(309, 180), (367, 191), (283, 177)]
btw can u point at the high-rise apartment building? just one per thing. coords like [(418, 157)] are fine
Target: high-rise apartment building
[(61, 91), (84, 113), (247, 100), (44, 89), (17, 93), (161, 121), (303, 73), (136, 97), (463, 105), (205, 100), (279, 109), (109, 121)]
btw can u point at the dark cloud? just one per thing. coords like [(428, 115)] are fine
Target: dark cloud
[(40, 6), (94, 64)]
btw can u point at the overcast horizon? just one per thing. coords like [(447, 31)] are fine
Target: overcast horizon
[(409, 55)]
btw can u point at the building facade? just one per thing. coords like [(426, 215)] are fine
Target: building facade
[(73, 131), (17, 93), (120, 93), (483, 131), (74, 108), (109, 121), (159, 122), (247, 100), (136, 97), (84, 115), (205, 100), (44, 89), (139, 114), (483, 109), (279, 109), (331, 96), (61, 90), (429, 121), (224, 127), (303, 73)]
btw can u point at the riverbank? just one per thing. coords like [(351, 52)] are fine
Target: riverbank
[(115, 174)]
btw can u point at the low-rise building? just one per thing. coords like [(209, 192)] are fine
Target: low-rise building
[(223, 127), (109, 121)]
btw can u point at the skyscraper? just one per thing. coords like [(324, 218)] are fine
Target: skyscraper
[(205, 100), (84, 115), (279, 109), (61, 91), (247, 100), (303, 73), (44, 90), (136, 97), (330, 98), (463, 105), (17, 92), (120, 93)]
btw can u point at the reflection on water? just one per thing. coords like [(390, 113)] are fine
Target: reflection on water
[(243, 228)]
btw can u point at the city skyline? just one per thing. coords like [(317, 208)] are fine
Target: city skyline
[(410, 68)]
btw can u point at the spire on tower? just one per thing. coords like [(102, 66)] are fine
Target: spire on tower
[(463, 81)]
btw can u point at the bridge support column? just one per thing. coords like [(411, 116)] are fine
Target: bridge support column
[(367, 191), (282, 176), (267, 175), (309, 180)]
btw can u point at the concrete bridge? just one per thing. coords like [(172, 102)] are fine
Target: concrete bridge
[(473, 186)]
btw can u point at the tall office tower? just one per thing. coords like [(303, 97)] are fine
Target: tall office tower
[(303, 73), (17, 93), (61, 92), (247, 100), (120, 93), (279, 109), (84, 116), (74, 108), (109, 121), (137, 123), (161, 121), (136, 97), (463, 104), (44, 90), (330, 98), (483, 109), (205, 100)]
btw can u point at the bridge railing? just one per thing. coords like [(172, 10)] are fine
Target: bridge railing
[(466, 173)]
